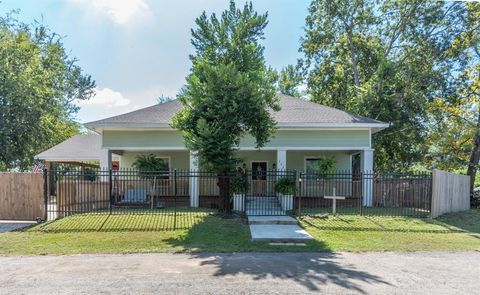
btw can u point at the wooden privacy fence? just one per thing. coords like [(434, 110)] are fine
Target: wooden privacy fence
[(450, 193), (81, 196), (22, 196)]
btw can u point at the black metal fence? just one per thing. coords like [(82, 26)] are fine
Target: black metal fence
[(365, 193), (78, 191)]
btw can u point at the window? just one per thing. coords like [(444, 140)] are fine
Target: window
[(312, 165), (319, 165)]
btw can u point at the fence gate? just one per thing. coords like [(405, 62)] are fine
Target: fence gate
[(268, 192)]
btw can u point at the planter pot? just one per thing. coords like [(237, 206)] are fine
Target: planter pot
[(238, 202), (286, 201)]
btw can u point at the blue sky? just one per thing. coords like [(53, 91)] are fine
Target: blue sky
[(137, 50)]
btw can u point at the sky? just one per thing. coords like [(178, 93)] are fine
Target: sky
[(137, 50)]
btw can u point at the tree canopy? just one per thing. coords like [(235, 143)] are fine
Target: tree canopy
[(290, 80), (230, 89), (387, 60), (39, 85)]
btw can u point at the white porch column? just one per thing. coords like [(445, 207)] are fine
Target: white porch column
[(281, 159), (194, 183), (105, 159), (105, 163), (366, 165)]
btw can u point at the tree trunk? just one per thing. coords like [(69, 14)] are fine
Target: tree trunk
[(474, 156), (224, 190)]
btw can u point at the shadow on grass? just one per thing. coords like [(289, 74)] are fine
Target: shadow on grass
[(372, 224), (370, 211), (125, 222), (468, 221)]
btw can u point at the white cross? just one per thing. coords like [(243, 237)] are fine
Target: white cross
[(334, 198)]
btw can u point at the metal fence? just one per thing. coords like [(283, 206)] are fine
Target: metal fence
[(365, 193), (78, 191), (126, 191)]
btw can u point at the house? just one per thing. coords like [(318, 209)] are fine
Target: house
[(307, 133)]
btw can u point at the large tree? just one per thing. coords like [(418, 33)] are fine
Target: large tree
[(386, 60), (455, 129), (290, 80), (229, 91), (39, 84)]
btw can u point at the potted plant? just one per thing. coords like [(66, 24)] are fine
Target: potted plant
[(285, 188), (238, 186)]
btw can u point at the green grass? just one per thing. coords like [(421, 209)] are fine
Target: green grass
[(373, 211), (135, 220), (451, 232), (204, 231)]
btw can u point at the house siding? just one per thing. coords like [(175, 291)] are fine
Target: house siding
[(315, 138), (142, 139), (173, 139)]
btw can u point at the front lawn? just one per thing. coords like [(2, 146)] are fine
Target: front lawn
[(207, 232), (451, 232)]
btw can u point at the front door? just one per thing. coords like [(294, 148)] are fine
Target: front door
[(259, 178)]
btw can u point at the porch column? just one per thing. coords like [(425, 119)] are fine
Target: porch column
[(105, 162), (366, 166), (281, 159), (194, 183)]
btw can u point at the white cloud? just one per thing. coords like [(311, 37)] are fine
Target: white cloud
[(120, 11), (106, 97)]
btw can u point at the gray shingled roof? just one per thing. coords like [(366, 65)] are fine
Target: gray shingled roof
[(300, 111), (295, 112), (77, 148)]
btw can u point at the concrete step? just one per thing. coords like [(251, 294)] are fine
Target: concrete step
[(265, 212), (263, 202), (279, 233), (280, 219)]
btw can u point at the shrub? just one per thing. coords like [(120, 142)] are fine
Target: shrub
[(285, 186), (89, 174)]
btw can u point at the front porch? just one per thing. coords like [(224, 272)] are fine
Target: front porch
[(197, 190)]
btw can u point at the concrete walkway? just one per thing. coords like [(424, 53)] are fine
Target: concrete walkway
[(243, 273), (277, 229)]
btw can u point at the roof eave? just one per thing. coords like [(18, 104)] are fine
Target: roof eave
[(162, 126)]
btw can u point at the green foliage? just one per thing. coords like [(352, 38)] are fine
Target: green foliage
[(150, 165), (455, 128), (229, 89), (285, 186), (386, 60), (89, 174), (238, 183), (39, 86), (289, 81), (322, 165)]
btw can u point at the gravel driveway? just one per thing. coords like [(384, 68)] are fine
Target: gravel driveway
[(244, 273)]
